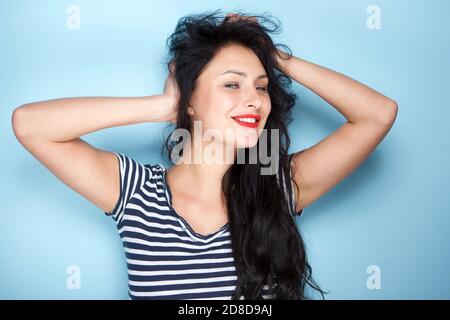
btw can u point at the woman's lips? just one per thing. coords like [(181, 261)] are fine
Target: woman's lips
[(247, 124)]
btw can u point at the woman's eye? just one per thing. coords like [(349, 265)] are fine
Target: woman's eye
[(235, 84), (230, 84)]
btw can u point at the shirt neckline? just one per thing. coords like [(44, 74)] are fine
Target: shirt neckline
[(184, 222)]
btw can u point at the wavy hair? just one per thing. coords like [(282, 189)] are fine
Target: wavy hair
[(267, 246)]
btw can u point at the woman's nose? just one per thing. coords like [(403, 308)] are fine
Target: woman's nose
[(254, 99)]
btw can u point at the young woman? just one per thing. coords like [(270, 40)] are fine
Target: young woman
[(212, 229)]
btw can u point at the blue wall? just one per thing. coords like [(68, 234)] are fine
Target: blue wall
[(393, 212)]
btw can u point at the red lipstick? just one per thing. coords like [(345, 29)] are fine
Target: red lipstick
[(246, 120)]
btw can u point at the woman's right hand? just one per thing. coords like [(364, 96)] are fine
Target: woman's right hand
[(172, 94)]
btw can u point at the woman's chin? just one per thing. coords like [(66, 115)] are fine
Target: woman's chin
[(246, 141)]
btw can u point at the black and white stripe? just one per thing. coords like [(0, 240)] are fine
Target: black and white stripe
[(166, 258)]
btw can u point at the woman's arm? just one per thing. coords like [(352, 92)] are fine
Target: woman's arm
[(354, 100), (370, 115), (51, 130), (65, 119)]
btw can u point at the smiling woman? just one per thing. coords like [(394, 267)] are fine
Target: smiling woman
[(201, 229), (228, 70)]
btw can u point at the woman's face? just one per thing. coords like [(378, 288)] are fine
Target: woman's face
[(221, 94)]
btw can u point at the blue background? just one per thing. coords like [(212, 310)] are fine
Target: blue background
[(393, 211)]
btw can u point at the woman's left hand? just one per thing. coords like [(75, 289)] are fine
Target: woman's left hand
[(232, 17)]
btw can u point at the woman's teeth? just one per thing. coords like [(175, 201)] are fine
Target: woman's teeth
[(249, 120)]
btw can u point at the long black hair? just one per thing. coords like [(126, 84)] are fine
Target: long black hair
[(267, 246)]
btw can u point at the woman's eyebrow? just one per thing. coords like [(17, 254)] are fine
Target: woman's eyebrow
[(243, 74)]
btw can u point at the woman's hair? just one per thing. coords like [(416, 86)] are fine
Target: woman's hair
[(267, 246)]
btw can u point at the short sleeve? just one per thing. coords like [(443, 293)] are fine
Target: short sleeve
[(132, 176)]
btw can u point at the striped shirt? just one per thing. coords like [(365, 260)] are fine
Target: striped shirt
[(166, 258)]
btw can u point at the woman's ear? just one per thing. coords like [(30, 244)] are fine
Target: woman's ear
[(190, 110)]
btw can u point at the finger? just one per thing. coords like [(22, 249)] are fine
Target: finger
[(172, 67), (231, 17)]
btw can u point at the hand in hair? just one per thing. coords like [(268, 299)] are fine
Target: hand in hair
[(233, 17), (172, 93)]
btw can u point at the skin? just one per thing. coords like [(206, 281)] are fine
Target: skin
[(216, 99)]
